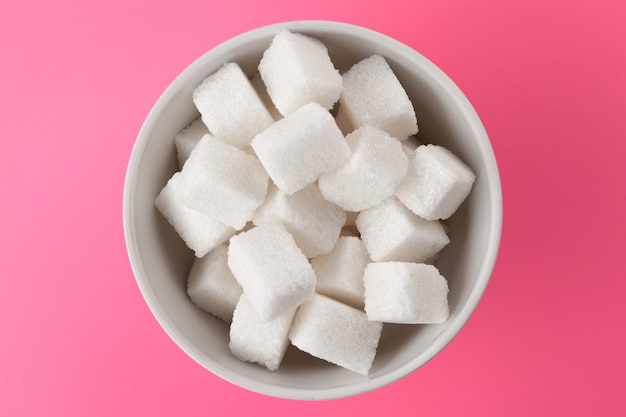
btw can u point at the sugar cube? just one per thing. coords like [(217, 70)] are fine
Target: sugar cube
[(391, 232), (436, 184), (297, 70), (372, 95), (405, 292), (297, 149), (188, 138), (271, 269), (262, 341), (372, 173), (223, 182), (230, 107), (336, 332), (313, 222), (211, 285), (200, 232), (340, 272)]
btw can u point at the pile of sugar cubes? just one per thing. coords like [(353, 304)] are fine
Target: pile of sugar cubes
[(313, 218)]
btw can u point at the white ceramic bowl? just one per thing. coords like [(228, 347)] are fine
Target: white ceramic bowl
[(160, 260)]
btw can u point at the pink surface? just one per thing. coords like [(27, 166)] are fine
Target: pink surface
[(548, 78)]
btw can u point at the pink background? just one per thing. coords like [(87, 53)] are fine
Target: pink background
[(548, 78)]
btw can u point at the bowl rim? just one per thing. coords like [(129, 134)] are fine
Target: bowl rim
[(452, 328)]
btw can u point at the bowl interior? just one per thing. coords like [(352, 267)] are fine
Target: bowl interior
[(161, 261)]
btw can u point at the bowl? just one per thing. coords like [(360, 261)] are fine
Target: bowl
[(161, 262)]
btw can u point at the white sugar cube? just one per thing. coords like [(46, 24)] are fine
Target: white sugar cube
[(271, 269), (391, 232), (372, 95), (340, 272), (375, 169), (188, 138), (230, 107), (212, 287), (200, 232), (261, 341), (297, 149), (313, 222), (403, 292), (223, 182), (297, 70), (436, 184), (336, 332)]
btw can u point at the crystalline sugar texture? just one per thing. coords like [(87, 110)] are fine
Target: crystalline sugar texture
[(372, 95), (336, 332), (340, 272), (211, 285), (230, 107), (402, 292), (313, 222), (297, 149), (391, 232), (436, 184), (375, 169), (271, 269), (297, 70), (223, 182), (261, 341), (200, 232)]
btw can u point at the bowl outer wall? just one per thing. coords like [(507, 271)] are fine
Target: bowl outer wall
[(137, 220)]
